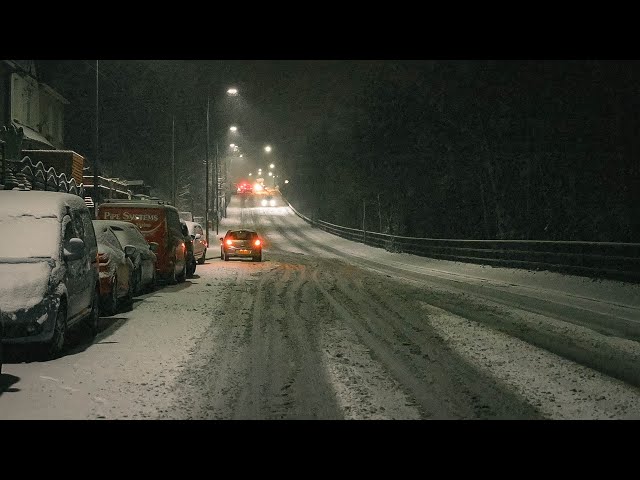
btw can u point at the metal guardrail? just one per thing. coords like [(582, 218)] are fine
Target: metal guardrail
[(618, 261)]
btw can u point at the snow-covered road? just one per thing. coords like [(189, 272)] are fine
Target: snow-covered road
[(330, 329)]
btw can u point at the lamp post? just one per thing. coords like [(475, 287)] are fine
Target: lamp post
[(232, 92), (206, 203)]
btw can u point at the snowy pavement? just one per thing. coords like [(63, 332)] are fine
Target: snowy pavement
[(325, 328)]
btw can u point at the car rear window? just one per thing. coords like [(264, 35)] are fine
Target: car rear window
[(242, 235)]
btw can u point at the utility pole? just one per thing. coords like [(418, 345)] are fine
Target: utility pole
[(216, 190), (173, 159), (96, 188), (206, 203)]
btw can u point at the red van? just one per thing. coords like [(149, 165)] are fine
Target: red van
[(160, 224)]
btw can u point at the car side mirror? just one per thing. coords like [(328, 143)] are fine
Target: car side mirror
[(197, 236), (74, 249), (153, 246), (130, 250)]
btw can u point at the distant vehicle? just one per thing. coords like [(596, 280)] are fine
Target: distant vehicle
[(49, 279), (190, 257), (199, 241), (245, 187), (144, 260), (187, 216), (268, 201), (160, 224), (116, 270), (241, 243), (199, 220)]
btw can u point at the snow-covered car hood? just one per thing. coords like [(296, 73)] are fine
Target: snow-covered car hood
[(23, 285)]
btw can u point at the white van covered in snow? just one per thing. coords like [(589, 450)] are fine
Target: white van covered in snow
[(48, 267)]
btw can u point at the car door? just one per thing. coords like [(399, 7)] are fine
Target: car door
[(86, 265), (73, 272)]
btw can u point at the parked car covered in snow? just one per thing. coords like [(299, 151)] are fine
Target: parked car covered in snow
[(116, 270), (199, 241), (48, 267), (143, 258), (189, 255)]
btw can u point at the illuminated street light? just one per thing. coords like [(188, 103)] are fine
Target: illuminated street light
[(233, 129), (250, 174), (240, 155), (267, 149), (232, 145), (270, 173), (286, 181), (271, 166), (232, 91)]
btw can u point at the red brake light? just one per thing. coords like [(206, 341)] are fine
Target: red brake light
[(257, 242), (229, 242)]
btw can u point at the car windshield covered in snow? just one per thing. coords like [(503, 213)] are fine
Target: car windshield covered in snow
[(127, 236), (28, 236)]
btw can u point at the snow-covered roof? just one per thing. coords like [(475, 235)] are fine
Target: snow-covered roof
[(17, 203)]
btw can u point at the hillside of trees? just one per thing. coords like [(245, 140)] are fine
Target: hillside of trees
[(541, 150)]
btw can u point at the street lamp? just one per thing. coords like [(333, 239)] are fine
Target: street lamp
[(271, 166), (233, 129), (267, 149), (231, 92)]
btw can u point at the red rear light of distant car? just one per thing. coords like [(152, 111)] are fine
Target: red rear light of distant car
[(229, 242), (257, 243)]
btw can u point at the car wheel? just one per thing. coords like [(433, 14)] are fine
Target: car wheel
[(93, 319), (152, 284), (257, 258), (183, 275), (111, 302), (128, 299), (192, 268), (138, 284), (202, 258), (56, 344)]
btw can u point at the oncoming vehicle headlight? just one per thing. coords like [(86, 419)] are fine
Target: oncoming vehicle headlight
[(272, 203), (264, 202)]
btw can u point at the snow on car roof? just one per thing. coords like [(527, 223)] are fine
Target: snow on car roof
[(21, 203)]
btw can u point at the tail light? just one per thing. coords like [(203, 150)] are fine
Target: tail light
[(257, 243), (103, 257), (229, 242)]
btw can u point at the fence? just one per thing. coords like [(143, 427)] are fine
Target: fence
[(619, 261)]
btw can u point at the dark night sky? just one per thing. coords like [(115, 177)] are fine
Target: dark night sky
[(280, 101)]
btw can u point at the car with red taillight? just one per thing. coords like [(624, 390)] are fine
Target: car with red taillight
[(242, 244)]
